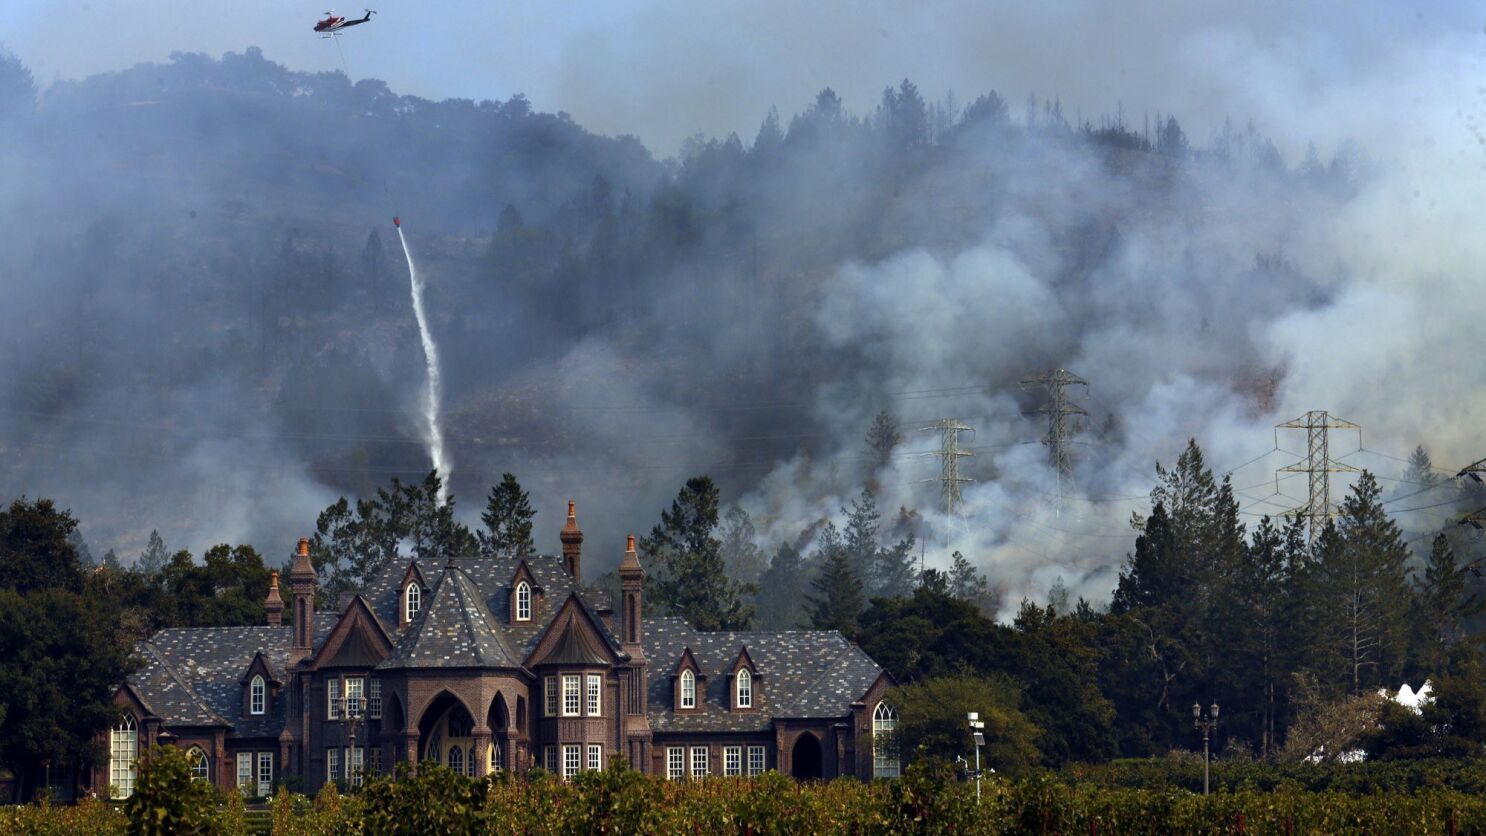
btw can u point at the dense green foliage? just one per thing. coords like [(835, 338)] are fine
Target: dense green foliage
[(507, 518), (928, 799), (687, 576)]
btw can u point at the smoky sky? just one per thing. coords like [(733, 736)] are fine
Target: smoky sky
[(201, 335), (664, 70)]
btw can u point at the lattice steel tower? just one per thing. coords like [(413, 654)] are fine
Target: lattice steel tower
[(1319, 464), (949, 454), (1059, 429)]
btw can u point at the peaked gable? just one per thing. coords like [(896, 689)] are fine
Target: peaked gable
[(262, 666), (356, 641), (575, 636)]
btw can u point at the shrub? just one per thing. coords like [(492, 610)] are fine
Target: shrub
[(166, 799)]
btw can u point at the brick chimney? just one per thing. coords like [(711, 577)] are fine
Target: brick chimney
[(302, 583), (273, 604), (572, 544), (631, 583)]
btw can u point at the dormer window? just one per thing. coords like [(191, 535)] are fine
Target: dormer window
[(688, 690), (257, 696), (413, 602), (744, 698), (523, 601)]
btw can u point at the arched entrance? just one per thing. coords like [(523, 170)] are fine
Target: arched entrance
[(805, 758), (498, 719), (446, 734)]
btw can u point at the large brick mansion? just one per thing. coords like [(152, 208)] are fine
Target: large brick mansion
[(491, 663)]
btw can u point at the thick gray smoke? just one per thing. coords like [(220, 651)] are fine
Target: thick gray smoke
[(205, 334)]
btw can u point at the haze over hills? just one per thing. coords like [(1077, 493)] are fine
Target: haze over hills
[(207, 329)]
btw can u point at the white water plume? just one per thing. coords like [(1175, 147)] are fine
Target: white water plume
[(431, 393)]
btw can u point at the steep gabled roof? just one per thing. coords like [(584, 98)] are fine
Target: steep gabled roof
[(192, 676), (803, 674), (492, 576), (454, 630)]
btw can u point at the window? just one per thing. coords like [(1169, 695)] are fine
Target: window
[(572, 759), (523, 601), (200, 768), (332, 699), (257, 696), (595, 694), (436, 747), (332, 765), (732, 761), (493, 766), (699, 761), (595, 756), (461, 724), (688, 689), (884, 752), (374, 760), (354, 688), (374, 699), (675, 763), (123, 749), (745, 689), (755, 760), (265, 774), (355, 764), (549, 757), (414, 598), (456, 760), (245, 773), (469, 760), (571, 694), (549, 707)]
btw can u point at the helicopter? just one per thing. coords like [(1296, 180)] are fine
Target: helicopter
[(332, 24)]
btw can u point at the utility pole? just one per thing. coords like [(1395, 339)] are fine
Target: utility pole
[(1059, 429), (1319, 464), (950, 454)]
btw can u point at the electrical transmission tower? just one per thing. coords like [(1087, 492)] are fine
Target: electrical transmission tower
[(1059, 429), (949, 454), (1319, 464)]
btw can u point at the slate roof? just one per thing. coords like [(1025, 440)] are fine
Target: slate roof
[(192, 676), (454, 630), (801, 674), (487, 583)]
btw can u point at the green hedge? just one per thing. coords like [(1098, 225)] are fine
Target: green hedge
[(926, 800), (1464, 775)]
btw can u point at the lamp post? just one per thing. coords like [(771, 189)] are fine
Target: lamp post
[(976, 725), (1206, 726)]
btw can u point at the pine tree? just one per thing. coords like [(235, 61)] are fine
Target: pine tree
[(896, 566), (1363, 595), (1443, 605), (1420, 472), (690, 579), (838, 601), (781, 597), (883, 437), (154, 557), (965, 583), (1152, 576), (859, 539), (770, 137), (508, 520), (740, 553)]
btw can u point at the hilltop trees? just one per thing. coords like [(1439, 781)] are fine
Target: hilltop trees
[(62, 658), (507, 517), (689, 579)]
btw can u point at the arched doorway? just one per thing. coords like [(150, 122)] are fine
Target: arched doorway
[(446, 734), (805, 758), (498, 719)]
